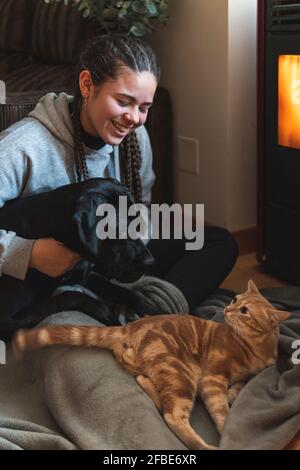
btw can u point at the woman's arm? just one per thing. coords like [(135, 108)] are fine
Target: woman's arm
[(17, 254)]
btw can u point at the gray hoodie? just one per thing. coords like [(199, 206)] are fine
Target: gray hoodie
[(37, 155)]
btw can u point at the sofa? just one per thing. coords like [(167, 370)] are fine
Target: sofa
[(39, 48)]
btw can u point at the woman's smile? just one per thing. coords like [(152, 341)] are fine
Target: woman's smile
[(121, 128)]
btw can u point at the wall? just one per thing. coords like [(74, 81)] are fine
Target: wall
[(241, 177), (200, 51)]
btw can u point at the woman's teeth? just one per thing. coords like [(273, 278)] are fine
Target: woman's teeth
[(119, 127)]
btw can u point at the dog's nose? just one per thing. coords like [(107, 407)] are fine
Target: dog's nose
[(148, 261)]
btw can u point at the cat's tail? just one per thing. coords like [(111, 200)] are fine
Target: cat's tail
[(88, 336)]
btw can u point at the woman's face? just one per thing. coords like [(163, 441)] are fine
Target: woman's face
[(117, 107)]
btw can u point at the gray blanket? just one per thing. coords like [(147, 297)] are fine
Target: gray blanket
[(76, 398)]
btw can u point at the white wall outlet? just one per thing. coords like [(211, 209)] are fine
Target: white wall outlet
[(188, 155)]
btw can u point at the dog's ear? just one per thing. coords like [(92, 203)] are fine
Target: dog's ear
[(85, 224)]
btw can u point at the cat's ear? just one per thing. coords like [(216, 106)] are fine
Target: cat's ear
[(281, 314), (252, 287), (276, 316)]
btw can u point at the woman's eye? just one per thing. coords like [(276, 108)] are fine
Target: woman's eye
[(143, 110), (123, 103), (243, 310)]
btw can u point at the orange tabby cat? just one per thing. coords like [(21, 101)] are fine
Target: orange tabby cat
[(176, 357)]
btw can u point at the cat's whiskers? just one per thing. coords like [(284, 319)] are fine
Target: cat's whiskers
[(233, 322), (237, 333)]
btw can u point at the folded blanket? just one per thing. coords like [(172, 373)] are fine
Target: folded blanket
[(79, 398)]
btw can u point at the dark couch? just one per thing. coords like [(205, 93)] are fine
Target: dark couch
[(39, 47)]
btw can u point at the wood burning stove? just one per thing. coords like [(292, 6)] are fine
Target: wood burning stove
[(279, 137)]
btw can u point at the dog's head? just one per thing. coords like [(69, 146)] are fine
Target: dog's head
[(124, 259)]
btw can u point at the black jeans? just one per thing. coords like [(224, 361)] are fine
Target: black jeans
[(196, 273)]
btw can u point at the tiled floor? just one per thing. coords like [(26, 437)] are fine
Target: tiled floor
[(247, 268)]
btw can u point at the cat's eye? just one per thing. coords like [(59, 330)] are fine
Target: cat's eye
[(234, 300), (244, 310)]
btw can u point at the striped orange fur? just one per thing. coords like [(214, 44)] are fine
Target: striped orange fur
[(177, 357)]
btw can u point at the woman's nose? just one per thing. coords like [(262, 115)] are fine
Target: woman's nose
[(133, 117)]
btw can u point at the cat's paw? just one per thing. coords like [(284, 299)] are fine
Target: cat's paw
[(209, 447)]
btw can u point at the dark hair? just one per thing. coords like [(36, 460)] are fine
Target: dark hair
[(104, 57)]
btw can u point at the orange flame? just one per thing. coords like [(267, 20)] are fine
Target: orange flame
[(289, 101)]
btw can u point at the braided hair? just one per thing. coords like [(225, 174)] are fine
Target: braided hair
[(104, 57)]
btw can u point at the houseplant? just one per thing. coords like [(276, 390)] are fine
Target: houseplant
[(134, 17)]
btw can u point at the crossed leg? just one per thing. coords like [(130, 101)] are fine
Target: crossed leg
[(175, 403), (177, 417)]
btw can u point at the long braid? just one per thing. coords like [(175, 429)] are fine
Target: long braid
[(130, 152), (80, 160)]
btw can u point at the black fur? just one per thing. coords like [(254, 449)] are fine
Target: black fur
[(68, 214)]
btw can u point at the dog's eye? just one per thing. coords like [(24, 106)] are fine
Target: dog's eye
[(244, 310)]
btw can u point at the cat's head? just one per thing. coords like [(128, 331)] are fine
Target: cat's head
[(251, 316)]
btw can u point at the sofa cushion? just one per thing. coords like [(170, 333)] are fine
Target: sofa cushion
[(10, 61), (58, 33), (15, 25), (40, 79), (11, 113)]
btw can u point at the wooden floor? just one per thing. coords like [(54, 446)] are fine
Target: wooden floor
[(247, 268)]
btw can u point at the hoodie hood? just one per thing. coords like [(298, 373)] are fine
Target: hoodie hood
[(52, 111)]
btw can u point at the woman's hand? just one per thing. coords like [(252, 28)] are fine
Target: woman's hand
[(52, 257)]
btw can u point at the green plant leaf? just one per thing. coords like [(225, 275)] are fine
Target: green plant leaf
[(151, 8), (163, 18), (122, 13), (162, 6), (109, 14), (136, 17), (138, 29), (138, 6)]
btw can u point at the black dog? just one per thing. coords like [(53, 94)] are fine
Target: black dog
[(68, 214)]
